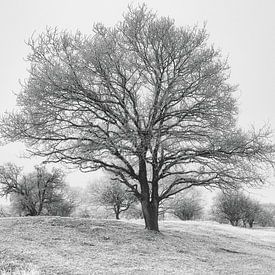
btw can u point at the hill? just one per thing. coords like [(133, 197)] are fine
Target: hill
[(54, 245)]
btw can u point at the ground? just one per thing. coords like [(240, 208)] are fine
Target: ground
[(54, 245)]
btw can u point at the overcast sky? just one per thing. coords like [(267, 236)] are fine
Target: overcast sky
[(244, 30)]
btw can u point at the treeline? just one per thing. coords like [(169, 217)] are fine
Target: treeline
[(44, 192), (240, 210)]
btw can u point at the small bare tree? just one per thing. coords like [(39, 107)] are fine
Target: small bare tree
[(115, 196), (187, 206), (33, 193), (228, 207), (145, 100), (250, 211), (236, 207), (64, 203), (266, 217), (4, 211)]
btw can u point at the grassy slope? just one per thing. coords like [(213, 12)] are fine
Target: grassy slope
[(56, 245)]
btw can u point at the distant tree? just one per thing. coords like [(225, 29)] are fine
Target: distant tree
[(229, 206), (145, 100), (187, 206), (269, 207), (32, 194), (134, 212), (4, 211), (63, 204), (236, 207), (266, 216), (250, 211), (116, 197)]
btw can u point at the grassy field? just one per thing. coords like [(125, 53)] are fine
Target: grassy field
[(53, 245)]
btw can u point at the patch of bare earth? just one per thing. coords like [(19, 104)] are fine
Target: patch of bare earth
[(54, 245)]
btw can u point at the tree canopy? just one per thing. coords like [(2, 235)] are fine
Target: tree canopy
[(146, 100)]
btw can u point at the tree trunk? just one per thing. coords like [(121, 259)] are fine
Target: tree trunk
[(117, 211), (251, 224), (234, 222), (40, 207), (117, 215), (150, 214), (149, 204), (31, 211)]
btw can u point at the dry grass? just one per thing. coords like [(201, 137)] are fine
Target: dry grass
[(13, 269), (53, 245)]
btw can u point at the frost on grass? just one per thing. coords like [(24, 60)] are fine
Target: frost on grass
[(18, 269), (81, 246)]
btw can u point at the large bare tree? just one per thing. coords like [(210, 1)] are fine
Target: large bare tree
[(146, 100)]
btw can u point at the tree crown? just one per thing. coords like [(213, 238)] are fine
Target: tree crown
[(146, 100)]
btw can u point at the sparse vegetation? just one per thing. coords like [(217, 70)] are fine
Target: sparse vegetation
[(15, 269)]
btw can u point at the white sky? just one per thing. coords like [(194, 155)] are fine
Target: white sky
[(243, 29)]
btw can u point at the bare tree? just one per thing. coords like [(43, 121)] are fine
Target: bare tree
[(187, 206), (33, 193), (229, 207), (145, 100), (116, 196), (236, 207), (4, 211), (63, 203), (266, 216), (251, 210)]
